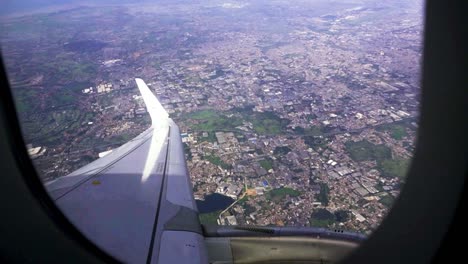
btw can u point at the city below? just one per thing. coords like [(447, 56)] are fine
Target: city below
[(292, 113)]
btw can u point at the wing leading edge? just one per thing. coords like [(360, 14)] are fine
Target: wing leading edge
[(136, 203)]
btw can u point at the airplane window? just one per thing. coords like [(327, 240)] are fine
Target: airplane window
[(291, 113)]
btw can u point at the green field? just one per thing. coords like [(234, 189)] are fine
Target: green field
[(203, 115), (248, 209), (264, 123), (49, 127), (217, 161), (394, 168), (211, 137), (314, 136), (68, 95), (388, 167), (209, 218), (315, 142), (320, 222), (323, 195), (321, 218), (268, 123), (243, 200), (397, 131), (65, 67), (280, 193), (314, 131), (387, 200), (364, 150), (25, 100), (341, 216), (325, 218), (281, 150), (210, 120), (267, 164)]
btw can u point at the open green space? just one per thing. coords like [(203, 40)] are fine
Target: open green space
[(217, 161), (342, 216), (210, 120), (218, 73), (397, 131), (49, 128), (268, 123), (394, 168), (387, 200), (314, 131), (364, 150), (320, 222), (209, 218), (243, 200), (210, 138), (388, 167), (314, 136), (315, 142), (324, 218), (280, 193), (203, 114), (68, 94), (283, 150), (265, 123), (323, 195), (267, 164), (25, 100), (66, 67), (248, 209), (321, 218)]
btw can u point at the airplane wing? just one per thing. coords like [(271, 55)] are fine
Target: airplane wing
[(136, 203)]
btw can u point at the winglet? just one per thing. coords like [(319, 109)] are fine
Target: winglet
[(153, 106)]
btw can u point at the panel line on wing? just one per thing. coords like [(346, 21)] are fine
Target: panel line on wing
[(101, 170), (158, 208)]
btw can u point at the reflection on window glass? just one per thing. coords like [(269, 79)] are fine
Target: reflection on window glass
[(292, 113)]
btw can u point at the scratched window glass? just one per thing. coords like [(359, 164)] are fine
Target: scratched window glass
[(289, 113)]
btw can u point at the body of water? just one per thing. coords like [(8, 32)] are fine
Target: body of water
[(213, 202)]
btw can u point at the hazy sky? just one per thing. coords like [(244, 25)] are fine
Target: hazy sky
[(15, 6)]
